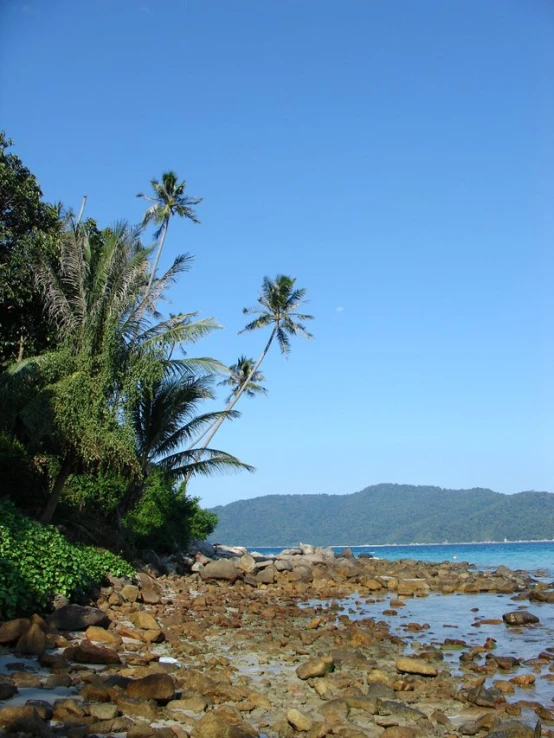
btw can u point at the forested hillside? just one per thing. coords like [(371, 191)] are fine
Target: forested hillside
[(387, 513)]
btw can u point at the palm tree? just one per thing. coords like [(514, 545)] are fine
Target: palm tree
[(169, 199), (238, 378), (163, 418), (279, 301), (95, 298)]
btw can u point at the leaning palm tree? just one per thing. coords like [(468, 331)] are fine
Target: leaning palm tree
[(279, 301), (164, 417), (169, 199), (238, 378)]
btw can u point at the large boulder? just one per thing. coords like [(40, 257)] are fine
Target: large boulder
[(12, 630), (159, 687), (222, 569), (77, 617)]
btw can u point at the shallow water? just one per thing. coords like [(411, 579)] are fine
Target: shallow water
[(451, 616)]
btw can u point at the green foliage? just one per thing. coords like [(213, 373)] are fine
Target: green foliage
[(387, 514), (37, 562), (165, 518), (28, 227)]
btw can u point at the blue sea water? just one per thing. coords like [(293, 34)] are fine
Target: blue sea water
[(529, 555)]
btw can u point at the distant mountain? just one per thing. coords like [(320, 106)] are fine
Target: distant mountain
[(387, 513)]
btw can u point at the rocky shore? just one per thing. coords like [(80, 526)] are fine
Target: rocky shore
[(227, 644)]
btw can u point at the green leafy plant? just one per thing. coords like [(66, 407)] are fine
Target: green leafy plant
[(38, 562)]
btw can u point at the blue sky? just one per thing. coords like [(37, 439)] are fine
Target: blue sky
[(395, 157)]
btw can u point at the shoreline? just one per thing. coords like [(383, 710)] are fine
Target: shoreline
[(405, 545), (239, 648)]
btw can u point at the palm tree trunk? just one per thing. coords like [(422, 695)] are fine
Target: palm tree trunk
[(158, 254), (212, 430), (63, 475)]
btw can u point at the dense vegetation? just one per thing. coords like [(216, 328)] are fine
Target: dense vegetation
[(387, 513), (102, 419)]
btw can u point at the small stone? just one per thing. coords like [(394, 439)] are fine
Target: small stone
[(87, 653), (101, 635), (407, 665), (523, 680), (144, 620), (129, 592), (7, 688), (103, 711), (314, 668), (299, 721)]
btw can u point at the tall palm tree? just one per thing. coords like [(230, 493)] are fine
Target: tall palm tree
[(238, 378), (169, 199), (164, 417), (279, 301)]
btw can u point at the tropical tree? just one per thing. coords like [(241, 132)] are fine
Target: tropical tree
[(164, 418), (110, 338), (279, 301), (28, 227), (238, 378), (169, 199)]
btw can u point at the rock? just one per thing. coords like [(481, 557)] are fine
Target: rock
[(503, 571), (213, 726), (399, 731), (24, 719), (410, 587), (222, 569), (523, 680), (150, 591), (103, 711), (399, 710), (194, 702), (335, 710), (407, 665), (77, 617), (512, 729), (130, 592), (246, 563), (520, 617), (147, 709), (299, 721), (33, 641), (266, 575), (101, 635), (7, 688), (87, 653), (316, 667), (118, 725), (159, 687), (144, 620), (306, 549), (12, 630)]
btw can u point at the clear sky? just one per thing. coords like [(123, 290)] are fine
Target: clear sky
[(397, 157)]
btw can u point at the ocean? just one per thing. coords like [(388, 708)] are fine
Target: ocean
[(528, 555)]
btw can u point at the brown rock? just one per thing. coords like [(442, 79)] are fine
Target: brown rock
[(512, 729), (407, 665), (103, 711), (316, 667), (150, 591), (299, 721), (129, 592), (147, 709), (221, 569), (335, 710), (87, 653), (24, 719), (101, 635), (398, 731), (12, 630), (213, 726), (33, 641), (144, 620), (77, 617), (266, 575), (159, 687), (194, 702)]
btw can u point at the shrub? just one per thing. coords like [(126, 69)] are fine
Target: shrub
[(165, 518), (37, 562)]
